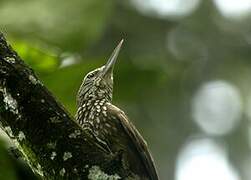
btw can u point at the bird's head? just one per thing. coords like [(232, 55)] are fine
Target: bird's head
[(98, 84)]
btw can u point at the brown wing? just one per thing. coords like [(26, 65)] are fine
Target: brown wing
[(137, 140)]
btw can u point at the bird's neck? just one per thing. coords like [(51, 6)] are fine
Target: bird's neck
[(92, 100), (90, 108)]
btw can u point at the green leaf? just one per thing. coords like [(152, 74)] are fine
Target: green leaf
[(42, 59)]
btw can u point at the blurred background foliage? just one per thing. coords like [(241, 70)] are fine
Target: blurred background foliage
[(183, 75)]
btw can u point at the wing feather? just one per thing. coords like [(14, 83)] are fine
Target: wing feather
[(137, 140)]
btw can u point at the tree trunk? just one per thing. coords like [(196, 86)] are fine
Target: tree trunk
[(51, 142)]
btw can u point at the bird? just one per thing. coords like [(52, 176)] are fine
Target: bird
[(111, 129)]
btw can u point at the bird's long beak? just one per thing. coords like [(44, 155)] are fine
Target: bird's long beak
[(108, 69)]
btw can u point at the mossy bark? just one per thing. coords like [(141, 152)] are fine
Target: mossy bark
[(51, 142)]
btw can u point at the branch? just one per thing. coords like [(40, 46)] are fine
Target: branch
[(51, 142)]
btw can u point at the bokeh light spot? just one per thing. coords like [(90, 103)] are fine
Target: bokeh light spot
[(185, 46), (164, 8), (217, 107), (204, 159), (68, 60), (233, 8)]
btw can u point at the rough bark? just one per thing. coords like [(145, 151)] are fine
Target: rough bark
[(50, 141)]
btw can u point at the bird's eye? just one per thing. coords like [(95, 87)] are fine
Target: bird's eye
[(90, 75)]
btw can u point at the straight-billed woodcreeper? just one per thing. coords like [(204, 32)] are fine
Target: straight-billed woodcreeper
[(110, 128)]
